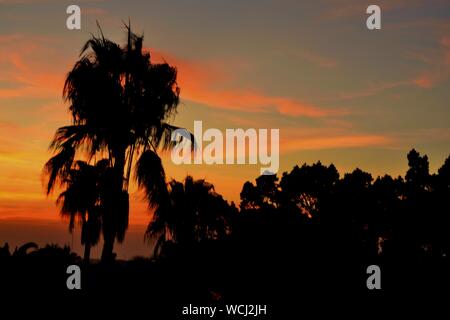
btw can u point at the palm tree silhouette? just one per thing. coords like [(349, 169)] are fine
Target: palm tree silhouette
[(121, 104), (81, 200), (192, 212)]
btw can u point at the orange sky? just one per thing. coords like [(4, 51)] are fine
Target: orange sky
[(338, 92)]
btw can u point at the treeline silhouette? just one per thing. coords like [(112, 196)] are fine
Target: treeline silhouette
[(309, 231)]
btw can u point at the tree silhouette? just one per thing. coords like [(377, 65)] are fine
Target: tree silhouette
[(418, 174), (440, 200), (306, 189), (81, 200), (121, 104), (262, 195), (309, 230), (194, 213), (24, 250)]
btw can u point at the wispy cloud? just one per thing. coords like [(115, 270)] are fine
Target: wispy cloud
[(344, 9), (199, 84), (371, 90), (437, 63), (316, 59), (335, 142), (32, 64), (335, 137), (435, 69)]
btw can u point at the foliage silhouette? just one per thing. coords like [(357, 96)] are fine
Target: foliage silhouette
[(308, 230), (309, 233), (84, 199), (194, 212), (121, 104)]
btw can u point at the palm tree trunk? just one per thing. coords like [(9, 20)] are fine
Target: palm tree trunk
[(87, 253), (108, 247), (109, 233), (86, 238)]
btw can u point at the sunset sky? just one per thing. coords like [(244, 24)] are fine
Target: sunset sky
[(337, 91)]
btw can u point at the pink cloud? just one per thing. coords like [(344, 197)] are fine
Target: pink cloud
[(32, 65), (335, 142), (438, 62), (424, 81), (199, 83), (334, 137), (437, 70)]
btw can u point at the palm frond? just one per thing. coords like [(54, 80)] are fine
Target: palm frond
[(151, 177), (58, 167), (163, 136)]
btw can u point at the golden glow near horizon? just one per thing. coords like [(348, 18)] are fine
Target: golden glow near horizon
[(338, 92)]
